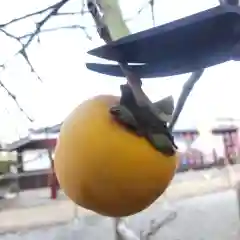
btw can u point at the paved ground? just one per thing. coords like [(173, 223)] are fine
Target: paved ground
[(210, 217), (213, 216)]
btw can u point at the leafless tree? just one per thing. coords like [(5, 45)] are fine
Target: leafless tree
[(42, 18)]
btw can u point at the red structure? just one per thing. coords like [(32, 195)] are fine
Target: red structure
[(231, 144), (229, 136), (230, 140)]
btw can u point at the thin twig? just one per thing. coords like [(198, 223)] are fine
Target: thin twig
[(25, 40), (41, 23), (70, 27), (152, 2), (139, 11), (155, 226), (187, 88), (9, 34), (3, 25), (15, 100), (71, 13), (23, 51)]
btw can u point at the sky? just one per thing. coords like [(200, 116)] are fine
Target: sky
[(60, 61)]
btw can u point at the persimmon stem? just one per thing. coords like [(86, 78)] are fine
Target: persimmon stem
[(105, 33), (110, 32)]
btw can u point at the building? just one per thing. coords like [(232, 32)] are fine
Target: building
[(40, 143)]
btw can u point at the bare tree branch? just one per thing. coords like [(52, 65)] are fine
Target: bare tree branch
[(40, 24), (71, 27), (152, 2), (71, 13), (23, 51), (141, 9), (26, 39), (8, 34), (187, 88), (56, 5), (16, 101)]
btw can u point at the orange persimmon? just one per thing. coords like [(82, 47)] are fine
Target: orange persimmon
[(103, 167)]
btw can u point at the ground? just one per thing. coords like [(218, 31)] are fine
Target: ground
[(209, 217), (212, 216)]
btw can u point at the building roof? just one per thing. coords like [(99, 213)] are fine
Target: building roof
[(49, 129), (55, 129), (35, 141), (30, 144)]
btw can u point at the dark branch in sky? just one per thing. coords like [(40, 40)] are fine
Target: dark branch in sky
[(15, 100), (70, 27), (49, 12), (52, 11)]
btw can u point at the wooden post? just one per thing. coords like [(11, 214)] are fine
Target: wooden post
[(20, 168), (53, 178)]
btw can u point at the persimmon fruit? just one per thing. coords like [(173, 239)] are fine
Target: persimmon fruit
[(103, 167)]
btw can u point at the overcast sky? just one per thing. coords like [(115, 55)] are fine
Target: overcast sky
[(60, 60)]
